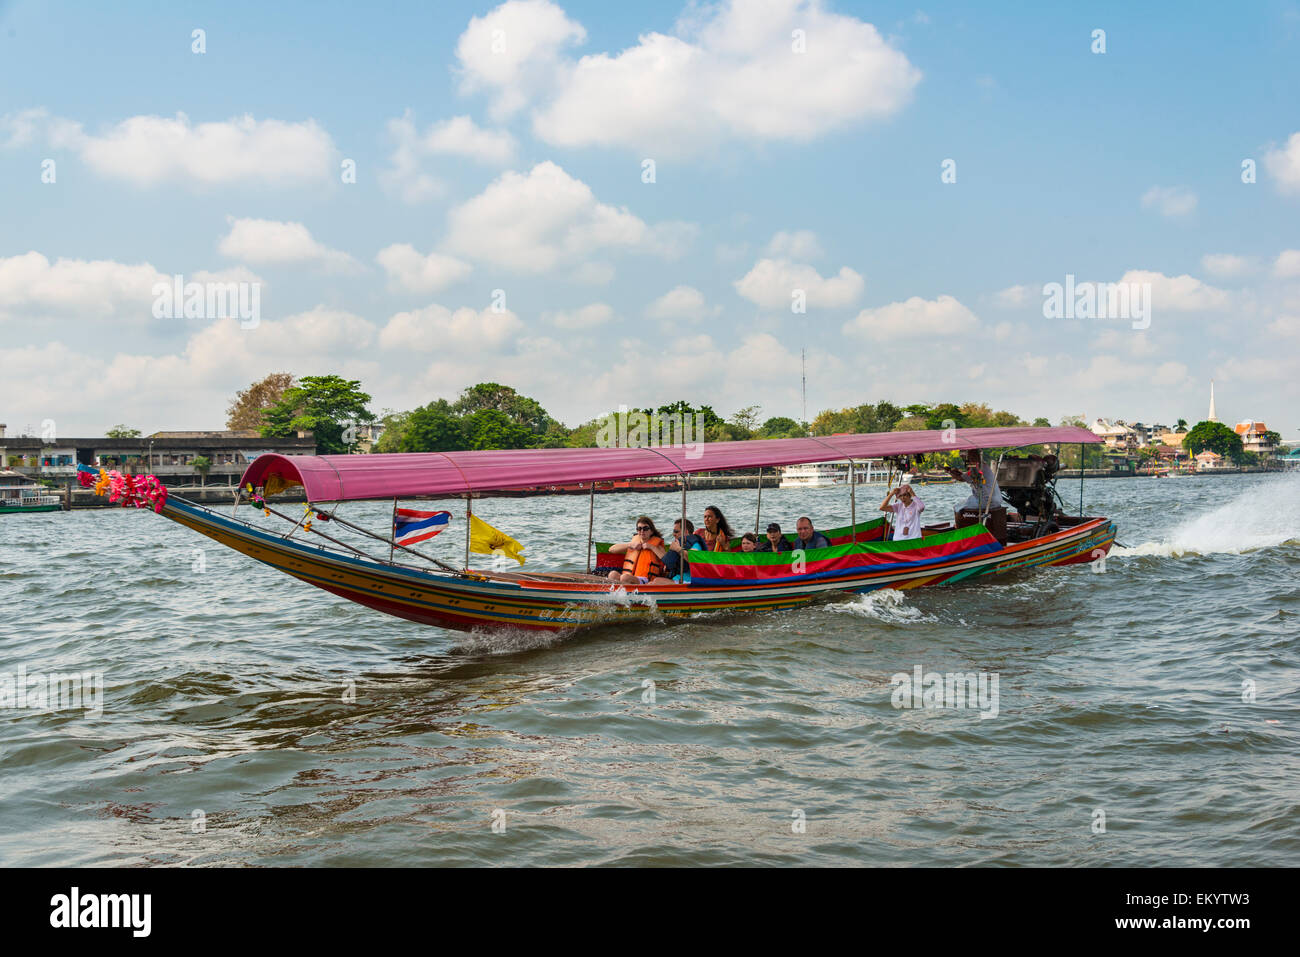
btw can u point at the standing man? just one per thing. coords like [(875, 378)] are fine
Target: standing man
[(907, 512), (982, 479)]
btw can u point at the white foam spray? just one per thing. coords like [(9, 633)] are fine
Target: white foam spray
[(1265, 516)]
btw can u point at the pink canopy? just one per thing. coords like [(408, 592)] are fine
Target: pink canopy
[(338, 478)]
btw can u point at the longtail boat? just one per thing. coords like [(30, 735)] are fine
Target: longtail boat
[(1029, 530)]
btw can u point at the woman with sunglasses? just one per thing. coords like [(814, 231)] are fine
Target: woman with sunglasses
[(642, 556)]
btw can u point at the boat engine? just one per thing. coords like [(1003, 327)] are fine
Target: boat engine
[(1029, 486)]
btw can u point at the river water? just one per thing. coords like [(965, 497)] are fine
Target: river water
[(1144, 715)]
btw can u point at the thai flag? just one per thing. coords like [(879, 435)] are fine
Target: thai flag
[(410, 526)]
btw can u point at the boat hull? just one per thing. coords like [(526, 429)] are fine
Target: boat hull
[(484, 601), (15, 509)]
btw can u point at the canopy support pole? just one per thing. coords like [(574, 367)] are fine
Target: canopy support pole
[(853, 502), (469, 522), (758, 509), (591, 523), (394, 533), (681, 540), (1080, 480)]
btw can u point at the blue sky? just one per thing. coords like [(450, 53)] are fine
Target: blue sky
[(518, 167)]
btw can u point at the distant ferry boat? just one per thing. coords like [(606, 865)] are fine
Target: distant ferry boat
[(19, 494), (826, 474)]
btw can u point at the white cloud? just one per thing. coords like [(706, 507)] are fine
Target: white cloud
[(152, 149), (596, 314), (405, 178), (772, 282), (913, 319), (459, 136), (593, 274), (534, 221), (268, 241), (409, 270), (22, 128), (1013, 296), (101, 286), (435, 328), (799, 245), (681, 302), (738, 70), (1169, 200), (1226, 265), (1180, 293), (1284, 165), (1288, 326), (1103, 371), (514, 51), (1287, 265)]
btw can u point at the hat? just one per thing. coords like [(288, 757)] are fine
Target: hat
[(773, 527)]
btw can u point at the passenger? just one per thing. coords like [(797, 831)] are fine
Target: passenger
[(809, 538), (907, 512), (776, 542), (717, 534), (982, 479), (643, 555), (749, 542), (673, 560)]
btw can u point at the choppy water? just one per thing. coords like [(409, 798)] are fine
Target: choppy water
[(1119, 693)]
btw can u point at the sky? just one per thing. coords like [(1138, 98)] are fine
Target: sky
[(619, 204)]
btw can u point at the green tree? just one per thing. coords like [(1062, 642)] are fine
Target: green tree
[(829, 421), (1180, 425), (780, 427), (122, 432), (431, 428), (1216, 437), (519, 409), (322, 405), (745, 422), (494, 429), (941, 415), (201, 464), (394, 425), (246, 408), (1273, 440), (1042, 423)]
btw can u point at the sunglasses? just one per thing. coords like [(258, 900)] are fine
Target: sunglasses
[(643, 528)]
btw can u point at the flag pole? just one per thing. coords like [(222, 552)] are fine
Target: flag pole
[(469, 521), (591, 523)]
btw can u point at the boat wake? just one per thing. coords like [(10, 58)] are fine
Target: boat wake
[(1264, 517), (887, 604)]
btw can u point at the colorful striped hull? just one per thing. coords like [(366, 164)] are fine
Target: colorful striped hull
[(481, 600)]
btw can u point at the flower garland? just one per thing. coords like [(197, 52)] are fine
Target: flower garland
[(140, 491)]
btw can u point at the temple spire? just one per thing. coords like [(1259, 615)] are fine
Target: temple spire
[(1213, 417)]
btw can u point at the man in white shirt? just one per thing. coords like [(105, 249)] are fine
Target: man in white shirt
[(907, 512), (982, 479)]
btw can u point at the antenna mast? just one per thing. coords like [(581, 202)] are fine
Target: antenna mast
[(803, 382)]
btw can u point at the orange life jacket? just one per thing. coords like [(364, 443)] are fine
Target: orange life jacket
[(646, 564)]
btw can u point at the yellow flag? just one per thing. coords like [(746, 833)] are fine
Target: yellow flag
[(488, 540)]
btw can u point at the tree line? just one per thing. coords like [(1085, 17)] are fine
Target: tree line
[(494, 416)]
